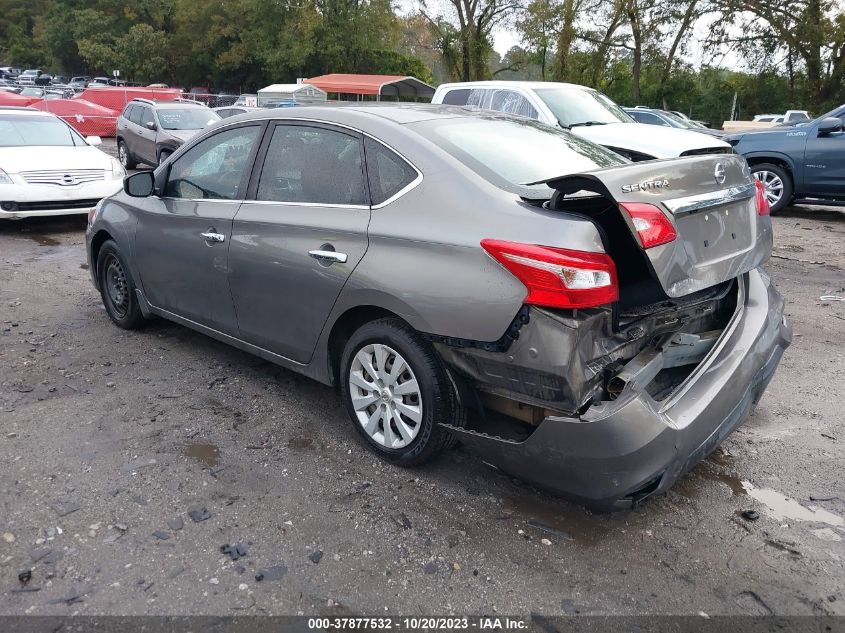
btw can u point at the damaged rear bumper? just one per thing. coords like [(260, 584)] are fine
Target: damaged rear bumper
[(620, 451)]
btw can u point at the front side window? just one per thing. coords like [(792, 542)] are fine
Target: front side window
[(387, 172), (213, 168), (146, 117), (312, 165)]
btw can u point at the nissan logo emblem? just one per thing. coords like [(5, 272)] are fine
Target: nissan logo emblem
[(67, 179), (719, 173)]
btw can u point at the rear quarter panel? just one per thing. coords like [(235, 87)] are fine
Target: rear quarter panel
[(425, 260)]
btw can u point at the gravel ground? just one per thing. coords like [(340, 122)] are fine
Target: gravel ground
[(111, 441)]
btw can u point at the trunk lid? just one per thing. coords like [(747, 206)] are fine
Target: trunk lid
[(710, 202)]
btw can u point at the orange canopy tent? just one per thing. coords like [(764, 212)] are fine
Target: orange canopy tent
[(373, 85)]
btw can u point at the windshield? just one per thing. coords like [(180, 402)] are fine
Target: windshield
[(187, 119), (680, 122), (24, 131), (581, 107), (513, 152)]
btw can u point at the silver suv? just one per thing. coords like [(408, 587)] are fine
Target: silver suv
[(150, 131)]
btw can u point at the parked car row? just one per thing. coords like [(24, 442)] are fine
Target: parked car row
[(585, 112)]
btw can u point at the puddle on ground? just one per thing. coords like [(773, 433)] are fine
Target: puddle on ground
[(556, 520), (711, 470), (208, 454), (44, 240), (300, 443), (780, 507)]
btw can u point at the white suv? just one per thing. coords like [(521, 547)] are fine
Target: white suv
[(586, 112)]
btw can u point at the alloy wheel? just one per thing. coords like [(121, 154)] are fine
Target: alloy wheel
[(773, 185), (385, 396), (122, 155), (117, 289)]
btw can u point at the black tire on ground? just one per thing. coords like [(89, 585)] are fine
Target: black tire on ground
[(440, 402), (125, 157), (117, 288), (763, 171)]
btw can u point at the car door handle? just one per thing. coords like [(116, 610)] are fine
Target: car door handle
[(329, 255), (210, 236)]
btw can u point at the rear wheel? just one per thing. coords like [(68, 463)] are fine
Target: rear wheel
[(124, 156), (117, 288), (397, 391), (777, 183)]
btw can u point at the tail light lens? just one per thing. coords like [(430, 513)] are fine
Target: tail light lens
[(652, 226), (763, 207), (558, 277)]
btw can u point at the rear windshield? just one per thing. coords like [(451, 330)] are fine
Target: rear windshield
[(187, 119), (27, 130), (514, 152)]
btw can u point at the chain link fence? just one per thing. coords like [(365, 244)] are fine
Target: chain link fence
[(94, 111)]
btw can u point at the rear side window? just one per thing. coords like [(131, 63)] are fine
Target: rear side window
[(312, 165), (456, 97), (135, 115), (127, 113), (387, 172), (512, 102)]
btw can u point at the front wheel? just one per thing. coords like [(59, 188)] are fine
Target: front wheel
[(777, 184), (124, 156), (397, 391), (117, 288)]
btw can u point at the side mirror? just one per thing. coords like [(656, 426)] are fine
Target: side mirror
[(151, 125), (139, 185), (829, 125), (93, 140)]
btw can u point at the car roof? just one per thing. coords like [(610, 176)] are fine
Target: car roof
[(165, 105), (401, 113), (530, 85), (26, 110)]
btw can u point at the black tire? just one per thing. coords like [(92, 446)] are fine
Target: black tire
[(785, 177), (439, 400), (163, 155), (117, 288), (124, 156)]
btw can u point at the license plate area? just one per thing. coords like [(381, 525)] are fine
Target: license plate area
[(717, 233)]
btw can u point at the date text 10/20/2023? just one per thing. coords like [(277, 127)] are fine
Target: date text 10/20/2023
[(418, 623)]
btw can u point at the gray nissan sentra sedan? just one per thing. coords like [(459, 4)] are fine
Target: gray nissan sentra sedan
[(593, 326)]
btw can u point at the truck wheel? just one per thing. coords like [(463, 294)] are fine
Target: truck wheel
[(396, 391), (777, 182)]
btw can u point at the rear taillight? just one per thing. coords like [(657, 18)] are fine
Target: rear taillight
[(558, 277), (763, 207), (652, 226)]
